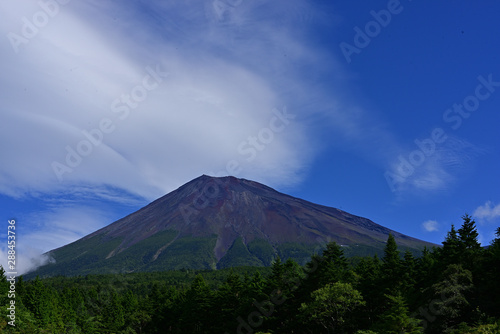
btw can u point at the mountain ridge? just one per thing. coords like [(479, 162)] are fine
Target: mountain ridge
[(216, 219)]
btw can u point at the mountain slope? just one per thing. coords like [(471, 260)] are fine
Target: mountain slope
[(219, 222)]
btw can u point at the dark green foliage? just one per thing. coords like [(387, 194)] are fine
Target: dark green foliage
[(489, 290), (112, 315), (462, 246), (261, 249), (391, 263), (396, 319), (89, 250), (330, 267), (408, 273), (239, 254), (4, 287), (468, 235), (453, 289), (195, 310), (38, 300), (141, 254), (332, 307), (368, 275), (187, 253), (300, 253), (450, 253), (452, 295)]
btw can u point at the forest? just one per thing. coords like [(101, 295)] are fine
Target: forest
[(454, 288)]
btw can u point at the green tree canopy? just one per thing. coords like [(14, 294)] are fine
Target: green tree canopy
[(332, 307)]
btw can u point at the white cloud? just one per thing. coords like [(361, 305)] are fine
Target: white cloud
[(430, 225), (27, 260), (487, 212), (415, 171), (51, 229), (215, 97)]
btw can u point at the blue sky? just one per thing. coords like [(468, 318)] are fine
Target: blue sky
[(385, 109)]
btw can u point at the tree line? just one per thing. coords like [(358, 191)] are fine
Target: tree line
[(450, 289)]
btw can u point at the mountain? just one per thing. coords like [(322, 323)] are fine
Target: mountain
[(213, 222)]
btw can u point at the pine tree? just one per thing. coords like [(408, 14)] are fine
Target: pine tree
[(38, 301), (229, 300), (452, 250), (469, 246), (451, 297), (335, 267), (426, 275), (409, 269), (277, 272), (368, 281), (196, 307), (68, 305), (489, 288), (391, 266), (396, 319), (4, 301), (4, 287), (330, 267), (468, 234), (496, 242), (165, 307), (391, 260), (255, 289), (112, 312), (283, 282)]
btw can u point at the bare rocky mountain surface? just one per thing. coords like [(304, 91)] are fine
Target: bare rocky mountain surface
[(218, 222)]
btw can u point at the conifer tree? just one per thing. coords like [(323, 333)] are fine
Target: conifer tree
[(4, 287), (334, 265), (329, 267), (450, 252), (391, 260), (409, 270), (469, 246), (396, 319), (277, 276), (38, 301), (197, 306), (368, 281), (468, 234), (229, 299), (427, 271), (256, 286), (391, 266), (489, 288), (451, 298), (113, 314)]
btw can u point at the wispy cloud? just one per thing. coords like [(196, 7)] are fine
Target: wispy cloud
[(226, 74), (218, 93), (432, 166), (487, 212), (27, 260), (49, 229)]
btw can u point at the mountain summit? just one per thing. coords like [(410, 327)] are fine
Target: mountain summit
[(217, 222)]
